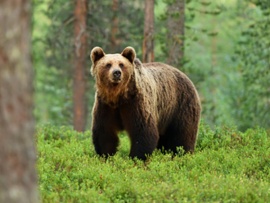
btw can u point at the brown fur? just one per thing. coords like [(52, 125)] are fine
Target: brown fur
[(155, 103)]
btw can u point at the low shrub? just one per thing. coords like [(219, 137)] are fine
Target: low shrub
[(227, 166)]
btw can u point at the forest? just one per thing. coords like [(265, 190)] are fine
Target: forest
[(223, 46), (47, 94)]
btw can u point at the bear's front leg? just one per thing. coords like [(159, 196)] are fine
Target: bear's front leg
[(104, 129), (105, 142), (144, 137)]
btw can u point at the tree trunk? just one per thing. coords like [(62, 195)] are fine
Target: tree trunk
[(176, 32), (18, 178), (80, 82), (148, 41), (115, 28)]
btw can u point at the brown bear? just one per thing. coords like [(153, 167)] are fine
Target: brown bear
[(155, 103)]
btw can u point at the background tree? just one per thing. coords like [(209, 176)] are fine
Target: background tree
[(253, 57), (148, 40), (80, 54), (205, 34), (18, 179), (53, 52), (175, 32), (115, 27)]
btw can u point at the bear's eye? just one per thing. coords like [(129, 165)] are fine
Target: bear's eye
[(108, 65), (121, 65)]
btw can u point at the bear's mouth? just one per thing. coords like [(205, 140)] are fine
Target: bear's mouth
[(115, 82)]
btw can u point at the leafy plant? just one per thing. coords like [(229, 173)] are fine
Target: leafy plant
[(227, 165)]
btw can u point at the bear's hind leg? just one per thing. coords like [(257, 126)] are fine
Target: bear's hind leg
[(179, 136), (143, 142), (162, 144)]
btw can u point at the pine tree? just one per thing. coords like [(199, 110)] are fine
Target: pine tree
[(18, 178)]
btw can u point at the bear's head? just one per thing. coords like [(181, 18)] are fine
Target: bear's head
[(112, 69), (112, 72)]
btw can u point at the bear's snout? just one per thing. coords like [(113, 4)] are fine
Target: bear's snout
[(116, 75)]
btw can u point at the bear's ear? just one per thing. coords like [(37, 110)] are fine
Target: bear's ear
[(96, 54), (129, 53)]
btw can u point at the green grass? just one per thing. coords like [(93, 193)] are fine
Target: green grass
[(228, 166)]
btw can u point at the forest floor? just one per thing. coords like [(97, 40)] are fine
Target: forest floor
[(227, 166)]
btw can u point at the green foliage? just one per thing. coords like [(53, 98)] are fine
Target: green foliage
[(228, 166), (254, 64), (208, 47), (226, 54), (52, 46)]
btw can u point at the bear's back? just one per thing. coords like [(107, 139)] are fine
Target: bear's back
[(168, 77), (172, 92)]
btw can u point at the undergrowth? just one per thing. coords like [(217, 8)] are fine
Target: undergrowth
[(227, 166)]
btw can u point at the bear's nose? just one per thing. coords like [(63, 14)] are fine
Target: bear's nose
[(117, 74)]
